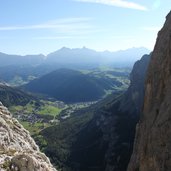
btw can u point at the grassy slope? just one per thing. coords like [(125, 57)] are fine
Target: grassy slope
[(44, 111)]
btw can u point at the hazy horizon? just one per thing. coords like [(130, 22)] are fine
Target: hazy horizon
[(40, 53)]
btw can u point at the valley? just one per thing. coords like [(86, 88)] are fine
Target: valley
[(93, 138), (38, 115), (37, 111), (70, 112), (84, 86)]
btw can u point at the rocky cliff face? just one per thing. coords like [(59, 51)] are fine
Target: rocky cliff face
[(133, 98), (18, 151), (152, 146)]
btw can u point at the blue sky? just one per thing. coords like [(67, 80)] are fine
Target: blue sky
[(43, 26)]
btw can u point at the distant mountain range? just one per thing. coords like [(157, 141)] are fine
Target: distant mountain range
[(88, 56), (80, 57), (7, 60)]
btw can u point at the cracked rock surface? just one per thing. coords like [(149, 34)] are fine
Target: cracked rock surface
[(18, 151)]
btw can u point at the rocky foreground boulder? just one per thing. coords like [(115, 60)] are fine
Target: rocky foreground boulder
[(152, 146), (18, 151)]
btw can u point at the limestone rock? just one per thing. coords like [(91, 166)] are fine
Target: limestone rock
[(152, 146), (18, 151), (133, 98)]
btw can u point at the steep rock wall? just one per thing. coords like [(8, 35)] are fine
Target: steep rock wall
[(152, 146)]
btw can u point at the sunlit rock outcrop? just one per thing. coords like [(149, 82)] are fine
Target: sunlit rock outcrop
[(18, 151)]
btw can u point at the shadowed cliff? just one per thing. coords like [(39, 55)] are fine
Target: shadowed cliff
[(152, 146)]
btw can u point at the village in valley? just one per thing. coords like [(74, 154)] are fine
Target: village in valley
[(37, 116)]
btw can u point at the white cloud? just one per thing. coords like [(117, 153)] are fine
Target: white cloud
[(66, 24), (60, 29), (117, 3)]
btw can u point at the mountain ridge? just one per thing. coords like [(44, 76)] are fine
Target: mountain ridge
[(74, 86), (122, 57), (13, 96), (7, 59), (77, 56)]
